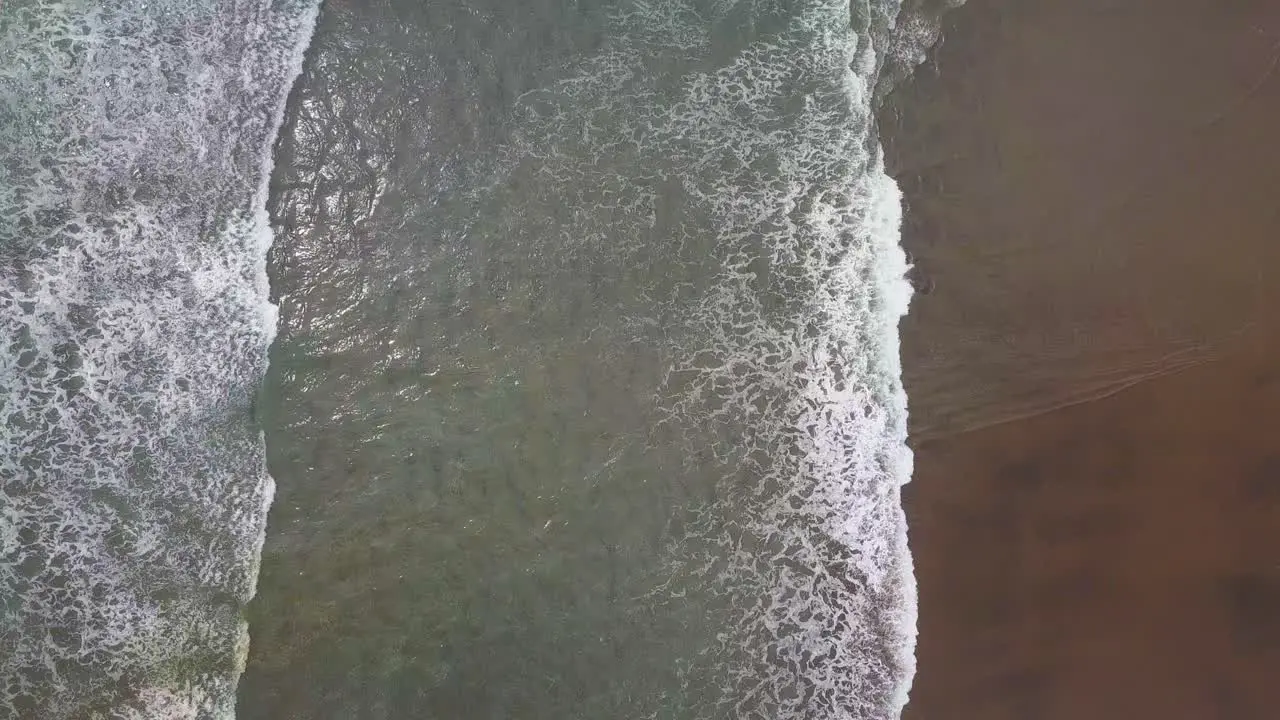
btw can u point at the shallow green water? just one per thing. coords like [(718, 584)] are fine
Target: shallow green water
[(584, 402)]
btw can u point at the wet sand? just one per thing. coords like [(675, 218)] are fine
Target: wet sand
[(1093, 196)]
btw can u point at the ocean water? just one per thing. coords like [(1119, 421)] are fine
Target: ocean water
[(135, 144), (584, 399)]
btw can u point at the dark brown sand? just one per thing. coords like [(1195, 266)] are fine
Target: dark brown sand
[(1093, 192)]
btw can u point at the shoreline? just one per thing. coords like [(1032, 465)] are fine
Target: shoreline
[(1091, 370)]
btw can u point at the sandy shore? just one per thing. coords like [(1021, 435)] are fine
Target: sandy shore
[(1094, 210)]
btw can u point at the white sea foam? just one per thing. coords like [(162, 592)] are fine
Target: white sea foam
[(786, 365), (135, 148)]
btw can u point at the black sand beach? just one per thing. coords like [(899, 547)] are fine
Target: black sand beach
[(1094, 371)]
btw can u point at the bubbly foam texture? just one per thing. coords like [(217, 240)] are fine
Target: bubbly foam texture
[(135, 151), (786, 367)]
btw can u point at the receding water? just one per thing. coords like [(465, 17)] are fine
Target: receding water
[(584, 396), (585, 400)]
